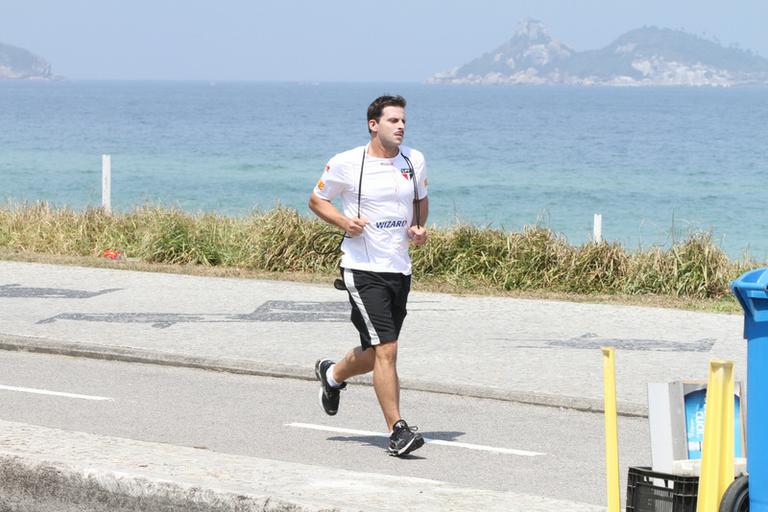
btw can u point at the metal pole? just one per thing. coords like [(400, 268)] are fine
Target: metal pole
[(717, 451), (611, 431), (597, 228)]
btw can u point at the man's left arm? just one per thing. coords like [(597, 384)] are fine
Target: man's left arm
[(423, 206), (418, 233)]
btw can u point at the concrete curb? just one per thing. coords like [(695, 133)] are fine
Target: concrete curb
[(264, 369), (31, 486)]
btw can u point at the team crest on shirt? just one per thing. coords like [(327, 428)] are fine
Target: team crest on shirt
[(327, 168), (320, 185), (407, 173)]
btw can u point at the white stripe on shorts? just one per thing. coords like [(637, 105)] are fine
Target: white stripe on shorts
[(349, 280)]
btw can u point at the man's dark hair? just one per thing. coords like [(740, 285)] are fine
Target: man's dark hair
[(377, 106)]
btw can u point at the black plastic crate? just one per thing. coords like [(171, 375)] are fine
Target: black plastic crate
[(651, 491)]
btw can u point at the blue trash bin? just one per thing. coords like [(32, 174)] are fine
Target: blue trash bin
[(751, 290)]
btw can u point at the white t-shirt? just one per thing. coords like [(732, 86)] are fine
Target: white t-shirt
[(386, 201)]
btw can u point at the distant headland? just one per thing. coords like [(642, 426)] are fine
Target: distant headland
[(648, 56), (20, 64)]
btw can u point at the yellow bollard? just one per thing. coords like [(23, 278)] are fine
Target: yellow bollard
[(717, 450), (611, 431)]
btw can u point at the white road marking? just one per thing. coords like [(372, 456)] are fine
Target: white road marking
[(509, 451), (53, 393)]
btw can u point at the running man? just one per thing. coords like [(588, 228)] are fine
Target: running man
[(383, 191)]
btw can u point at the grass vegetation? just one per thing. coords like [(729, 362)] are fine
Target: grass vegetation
[(280, 243)]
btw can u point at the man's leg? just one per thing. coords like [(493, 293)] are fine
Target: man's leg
[(356, 362), (382, 360), (403, 439), (385, 381)]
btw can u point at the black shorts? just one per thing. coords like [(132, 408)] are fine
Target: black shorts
[(378, 303)]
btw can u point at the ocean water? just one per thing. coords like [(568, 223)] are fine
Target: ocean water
[(657, 163)]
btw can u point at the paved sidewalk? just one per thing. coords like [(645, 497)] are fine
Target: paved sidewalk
[(535, 351)]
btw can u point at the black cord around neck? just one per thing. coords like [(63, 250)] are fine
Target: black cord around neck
[(360, 183), (416, 206), (411, 171)]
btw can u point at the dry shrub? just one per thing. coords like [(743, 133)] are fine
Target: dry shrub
[(536, 259), (597, 268)]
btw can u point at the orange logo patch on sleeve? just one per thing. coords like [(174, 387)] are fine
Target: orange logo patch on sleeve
[(320, 185)]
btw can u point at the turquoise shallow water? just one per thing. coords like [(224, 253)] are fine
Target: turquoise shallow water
[(655, 162)]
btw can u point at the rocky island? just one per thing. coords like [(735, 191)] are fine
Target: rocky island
[(18, 63), (647, 56)]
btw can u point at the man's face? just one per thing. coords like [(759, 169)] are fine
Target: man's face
[(391, 127)]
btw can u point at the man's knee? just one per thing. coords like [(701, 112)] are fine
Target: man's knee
[(386, 351)]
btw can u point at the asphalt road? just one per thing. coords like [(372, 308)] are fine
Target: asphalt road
[(281, 419)]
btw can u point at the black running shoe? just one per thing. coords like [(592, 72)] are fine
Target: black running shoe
[(404, 439), (329, 396)]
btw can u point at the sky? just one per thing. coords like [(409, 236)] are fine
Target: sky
[(344, 40)]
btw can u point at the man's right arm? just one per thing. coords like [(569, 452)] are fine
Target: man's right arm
[(330, 214)]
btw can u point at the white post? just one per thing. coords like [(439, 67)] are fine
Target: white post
[(597, 229), (106, 183)]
